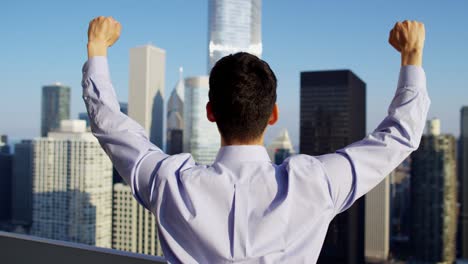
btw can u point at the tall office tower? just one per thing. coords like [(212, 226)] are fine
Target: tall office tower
[(233, 26), (175, 118), (201, 137), (463, 185), (281, 147), (400, 211), (5, 186), (72, 187), (434, 199), (134, 228), (22, 184), (333, 114), (123, 107), (146, 90), (4, 147), (55, 107), (377, 221)]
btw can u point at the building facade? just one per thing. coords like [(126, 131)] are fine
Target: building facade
[(146, 90), (377, 221), (55, 107), (175, 118), (201, 137), (72, 187), (463, 185), (434, 199), (233, 26), (6, 164), (280, 148), (134, 228), (22, 185), (332, 115)]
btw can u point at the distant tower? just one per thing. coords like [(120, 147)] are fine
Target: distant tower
[(55, 107), (134, 228), (281, 147), (146, 90), (72, 187), (201, 137), (377, 221), (332, 115), (175, 118), (22, 184), (233, 26), (463, 185), (434, 198)]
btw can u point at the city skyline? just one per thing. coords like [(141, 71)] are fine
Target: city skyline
[(299, 43)]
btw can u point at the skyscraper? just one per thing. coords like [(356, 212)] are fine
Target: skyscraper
[(332, 115), (434, 198), (175, 118), (4, 147), (463, 185), (233, 26), (134, 228), (55, 107), (281, 147), (201, 137), (146, 90), (22, 185), (72, 187), (377, 228), (5, 186)]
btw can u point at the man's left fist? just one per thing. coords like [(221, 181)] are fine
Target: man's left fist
[(103, 32)]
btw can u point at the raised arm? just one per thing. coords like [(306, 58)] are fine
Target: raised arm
[(124, 140), (356, 169)]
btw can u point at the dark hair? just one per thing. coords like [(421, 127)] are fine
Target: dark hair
[(242, 95)]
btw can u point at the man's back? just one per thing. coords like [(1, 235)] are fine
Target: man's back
[(243, 208)]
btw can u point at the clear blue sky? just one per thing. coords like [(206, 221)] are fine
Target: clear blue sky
[(45, 41)]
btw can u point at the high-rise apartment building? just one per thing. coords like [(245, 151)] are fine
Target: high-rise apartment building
[(234, 26), (146, 90), (281, 147), (175, 118), (463, 185), (72, 187), (377, 228), (134, 228), (201, 137), (434, 198), (55, 107), (4, 147), (332, 115), (22, 184)]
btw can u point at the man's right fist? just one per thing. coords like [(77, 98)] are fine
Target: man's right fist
[(103, 32), (408, 38)]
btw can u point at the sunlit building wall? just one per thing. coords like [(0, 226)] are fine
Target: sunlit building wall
[(201, 137), (146, 90), (233, 26), (134, 228), (72, 187)]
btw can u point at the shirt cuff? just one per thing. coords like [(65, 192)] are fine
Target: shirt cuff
[(96, 66), (411, 75)]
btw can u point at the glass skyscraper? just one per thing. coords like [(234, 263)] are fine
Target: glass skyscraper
[(201, 137), (234, 25), (55, 107)]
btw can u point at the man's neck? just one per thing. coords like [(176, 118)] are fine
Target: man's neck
[(255, 142)]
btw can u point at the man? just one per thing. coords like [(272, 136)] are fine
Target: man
[(243, 208)]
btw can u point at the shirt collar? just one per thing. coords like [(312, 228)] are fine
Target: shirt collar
[(242, 153)]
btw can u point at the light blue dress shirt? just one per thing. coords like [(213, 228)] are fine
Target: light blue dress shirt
[(243, 208)]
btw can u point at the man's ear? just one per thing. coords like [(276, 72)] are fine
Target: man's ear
[(274, 115), (209, 113)]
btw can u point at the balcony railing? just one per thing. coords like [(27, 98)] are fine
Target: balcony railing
[(19, 249)]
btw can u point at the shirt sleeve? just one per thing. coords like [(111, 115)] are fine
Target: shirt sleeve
[(358, 168), (123, 139)]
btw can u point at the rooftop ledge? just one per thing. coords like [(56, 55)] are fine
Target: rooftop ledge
[(16, 248)]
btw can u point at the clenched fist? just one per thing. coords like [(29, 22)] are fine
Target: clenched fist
[(408, 38), (103, 32)]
